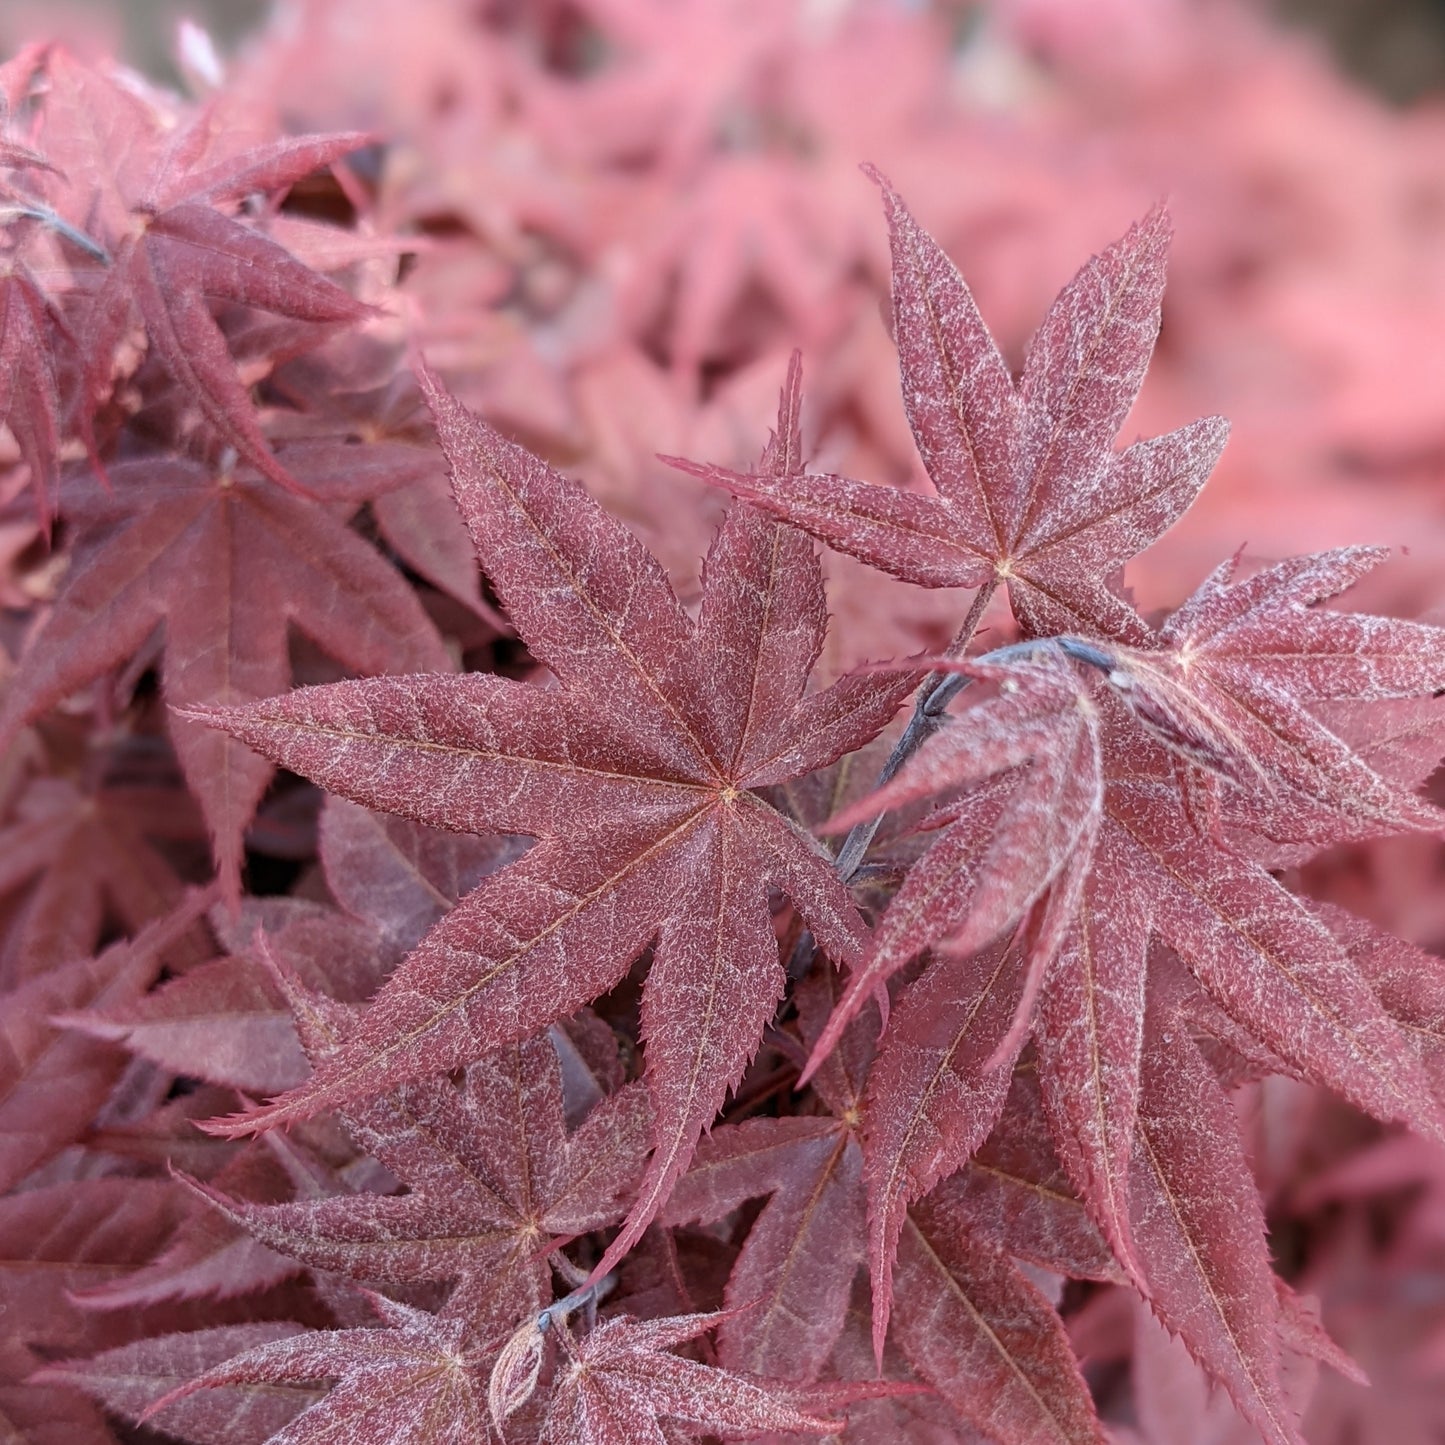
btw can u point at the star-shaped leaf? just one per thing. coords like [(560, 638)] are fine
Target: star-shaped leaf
[(228, 563), (637, 775), (1028, 489), (492, 1175), (174, 249), (623, 1381), (1230, 676)]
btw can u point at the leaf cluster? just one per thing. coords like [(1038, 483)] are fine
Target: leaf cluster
[(659, 1032)]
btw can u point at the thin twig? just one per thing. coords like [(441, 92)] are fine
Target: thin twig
[(586, 1299), (931, 701), (57, 223)]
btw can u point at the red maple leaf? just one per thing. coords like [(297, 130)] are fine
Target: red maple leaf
[(1267, 961), (1230, 678), (637, 776), (1067, 808), (791, 1282), (228, 563), (1029, 490), (622, 1378), (173, 249), (492, 1176), (1085, 829), (417, 1379)]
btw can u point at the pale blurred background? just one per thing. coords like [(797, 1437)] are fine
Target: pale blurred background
[(1395, 46)]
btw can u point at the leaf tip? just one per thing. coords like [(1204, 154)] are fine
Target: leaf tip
[(238, 1126), (876, 176), (206, 714)]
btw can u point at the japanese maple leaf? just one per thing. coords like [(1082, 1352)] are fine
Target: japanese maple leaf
[(174, 251), (622, 1382), (1270, 965), (1028, 488), (228, 563), (791, 1282), (789, 1289), (1145, 868), (415, 1381), (969, 1320), (1229, 678), (636, 775), (130, 1378), (1264, 957), (492, 1176), (29, 391)]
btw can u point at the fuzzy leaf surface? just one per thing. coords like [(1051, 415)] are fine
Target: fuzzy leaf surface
[(129, 1379), (413, 1382), (492, 1174), (1028, 490), (624, 1381), (635, 775), (982, 1335), (228, 564)]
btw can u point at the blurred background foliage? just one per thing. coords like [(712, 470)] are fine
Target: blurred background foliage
[(1395, 46)]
